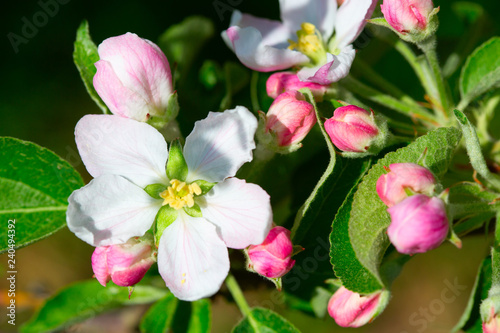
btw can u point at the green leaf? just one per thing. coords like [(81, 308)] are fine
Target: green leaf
[(170, 313), (35, 185), (194, 211), (160, 315), (84, 300), (165, 217), (481, 71), (176, 166), (470, 321), (85, 56), (182, 42), (154, 190), (204, 185), (367, 218), (261, 320), (474, 150)]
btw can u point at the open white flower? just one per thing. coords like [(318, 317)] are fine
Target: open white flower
[(194, 224), (305, 37)]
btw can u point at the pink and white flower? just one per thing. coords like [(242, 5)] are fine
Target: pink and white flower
[(272, 258), (281, 82), (407, 15), (350, 309), (125, 156), (133, 78), (263, 45), (124, 264)]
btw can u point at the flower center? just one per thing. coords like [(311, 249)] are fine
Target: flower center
[(180, 194), (309, 43)]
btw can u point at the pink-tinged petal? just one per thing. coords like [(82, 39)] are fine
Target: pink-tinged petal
[(241, 211), (220, 144), (281, 82), (115, 145), (321, 13), (408, 15), (132, 275), (250, 49), (351, 20), (100, 265), (121, 100), (192, 258), (141, 67), (110, 210), (350, 309), (336, 67)]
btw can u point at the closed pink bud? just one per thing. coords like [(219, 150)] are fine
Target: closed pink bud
[(407, 15), (133, 77), (492, 326), (290, 118), (350, 309), (391, 187), (352, 129), (418, 224), (272, 258), (124, 264), (281, 82)]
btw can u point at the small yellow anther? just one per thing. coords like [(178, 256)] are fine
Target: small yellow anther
[(179, 194), (308, 28)]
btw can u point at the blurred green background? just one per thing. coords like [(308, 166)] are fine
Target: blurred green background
[(42, 98)]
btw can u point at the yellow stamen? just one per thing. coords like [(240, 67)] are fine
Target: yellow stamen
[(180, 194), (309, 43)]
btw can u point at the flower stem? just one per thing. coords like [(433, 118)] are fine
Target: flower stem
[(254, 95), (428, 46), (237, 294), (374, 95)]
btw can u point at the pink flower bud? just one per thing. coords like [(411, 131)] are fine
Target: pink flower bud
[(418, 224), (272, 258), (492, 326), (352, 129), (391, 186), (133, 77), (290, 118), (124, 264), (350, 309), (407, 15), (281, 82)]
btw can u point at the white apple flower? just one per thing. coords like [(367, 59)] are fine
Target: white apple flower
[(305, 37), (125, 156)]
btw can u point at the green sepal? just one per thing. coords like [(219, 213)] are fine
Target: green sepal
[(204, 185), (165, 217), (163, 117), (194, 211), (154, 190), (176, 166)]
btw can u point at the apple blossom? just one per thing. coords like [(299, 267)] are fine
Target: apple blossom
[(303, 38), (392, 187), (281, 82), (124, 264), (272, 258), (197, 215), (133, 78), (418, 224), (407, 15), (287, 122), (350, 309), (352, 129)]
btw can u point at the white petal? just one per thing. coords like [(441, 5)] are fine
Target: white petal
[(336, 67), (321, 13), (192, 259), (110, 210), (250, 49), (220, 144), (242, 212), (120, 146), (351, 20)]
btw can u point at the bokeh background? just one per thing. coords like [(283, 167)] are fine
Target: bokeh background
[(42, 98)]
